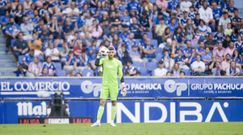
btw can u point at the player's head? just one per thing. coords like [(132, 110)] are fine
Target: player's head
[(111, 52)]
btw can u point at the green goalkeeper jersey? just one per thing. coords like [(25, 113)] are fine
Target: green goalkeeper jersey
[(112, 70)]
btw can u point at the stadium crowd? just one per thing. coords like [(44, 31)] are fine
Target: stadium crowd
[(152, 37)]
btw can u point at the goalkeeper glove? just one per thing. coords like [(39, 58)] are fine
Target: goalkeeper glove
[(123, 89)]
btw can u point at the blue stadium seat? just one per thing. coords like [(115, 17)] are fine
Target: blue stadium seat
[(138, 64), (137, 41), (151, 65), (61, 73), (149, 34), (154, 42), (58, 65), (143, 71)]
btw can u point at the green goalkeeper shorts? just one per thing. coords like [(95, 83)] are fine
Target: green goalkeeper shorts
[(107, 91)]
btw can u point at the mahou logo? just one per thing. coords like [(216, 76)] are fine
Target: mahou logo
[(28, 109)]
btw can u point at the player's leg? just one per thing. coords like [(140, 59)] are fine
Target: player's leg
[(101, 109), (113, 112), (113, 96), (103, 97)]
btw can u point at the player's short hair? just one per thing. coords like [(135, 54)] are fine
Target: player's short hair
[(111, 48)]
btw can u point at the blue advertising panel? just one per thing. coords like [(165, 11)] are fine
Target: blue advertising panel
[(136, 87), (131, 111)]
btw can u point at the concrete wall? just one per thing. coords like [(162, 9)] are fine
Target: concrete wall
[(239, 5)]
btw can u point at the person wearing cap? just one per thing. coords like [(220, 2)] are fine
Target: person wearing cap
[(112, 69), (161, 70)]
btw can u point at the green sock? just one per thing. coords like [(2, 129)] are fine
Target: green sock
[(100, 112), (113, 113)]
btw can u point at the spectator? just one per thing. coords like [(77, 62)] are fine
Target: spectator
[(167, 35), (224, 20), (236, 20), (130, 70), (22, 66), (234, 70), (206, 13), (135, 27), (161, 70), (53, 52), (11, 32), (173, 25), (198, 67), (228, 31), (176, 71), (20, 46), (215, 68), (162, 4), (185, 5), (148, 50), (230, 50), (18, 13), (49, 67), (96, 30), (201, 49), (159, 30), (91, 52), (35, 68), (226, 63), (210, 41), (167, 60), (27, 4), (123, 54), (135, 53), (238, 43), (218, 52), (27, 28), (180, 59), (226, 41), (231, 8), (84, 60), (189, 29), (217, 11), (183, 29), (71, 62), (207, 56), (203, 29), (72, 9)]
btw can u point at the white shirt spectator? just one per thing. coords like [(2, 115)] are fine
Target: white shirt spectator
[(35, 68), (71, 11), (159, 72), (27, 28), (224, 22), (198, 65), (185, 5), (53, 52), (206, 14)]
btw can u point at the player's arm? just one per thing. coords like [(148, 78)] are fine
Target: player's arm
[(123, 85), (98, 61)]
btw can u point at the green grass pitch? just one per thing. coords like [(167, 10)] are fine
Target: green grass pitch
[(126, 129)]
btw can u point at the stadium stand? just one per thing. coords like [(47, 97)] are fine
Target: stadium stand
[(200, 37)]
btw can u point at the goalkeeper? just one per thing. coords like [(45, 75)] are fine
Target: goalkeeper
[(112, 69)]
